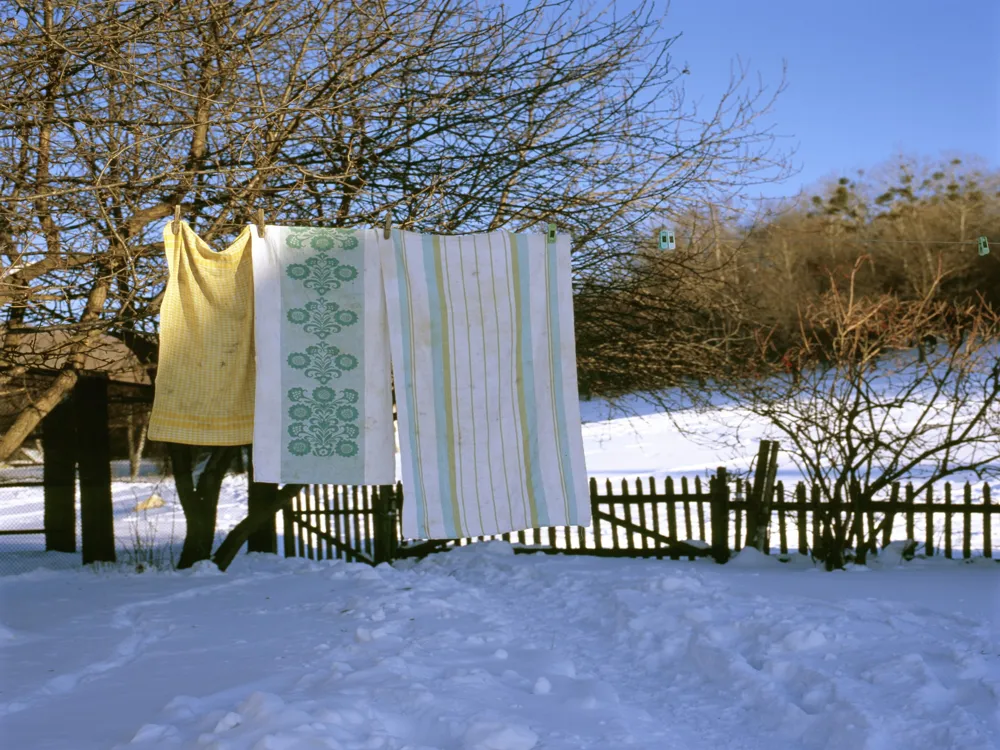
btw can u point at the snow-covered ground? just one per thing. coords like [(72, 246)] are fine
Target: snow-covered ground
[(646, 443), (481, 649)]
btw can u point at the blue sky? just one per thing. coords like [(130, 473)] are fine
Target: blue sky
[(867, 79)]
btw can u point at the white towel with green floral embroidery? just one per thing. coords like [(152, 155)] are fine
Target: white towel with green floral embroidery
[(323, 409)]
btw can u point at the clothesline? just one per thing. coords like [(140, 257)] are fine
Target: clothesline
[(327, 223), (321, 224), (972, 241)]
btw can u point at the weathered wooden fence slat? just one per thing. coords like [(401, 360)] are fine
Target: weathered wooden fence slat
[(347, 522), (339, 522), (815, 497), (782, 520), (738, 519), (701, 510), (654, 508), (631, 528), (929, 529), (802, 522), (910, 498), (644, 540), (967, 523), (947, 521), (299, 505), (987, 523), (629, 539)]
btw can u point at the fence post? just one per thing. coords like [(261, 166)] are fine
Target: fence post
[(97, 519), (720, 516), (987, 522), (59, 477), (289, 525), (760, 496), (596, 522), (857, 510), (754, 494), (386, 543), (261, 495)]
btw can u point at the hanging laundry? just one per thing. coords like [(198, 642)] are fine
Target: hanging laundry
[(484, 355), (323, 399), (205, 376)]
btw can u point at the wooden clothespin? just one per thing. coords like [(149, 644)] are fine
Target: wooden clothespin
[(260, 222), (176, 224), (387, 229)]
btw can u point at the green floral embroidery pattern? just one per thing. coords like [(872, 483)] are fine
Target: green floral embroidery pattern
[(321, 274), (322, 239), (322, 318), (323, 422), (322, 362)]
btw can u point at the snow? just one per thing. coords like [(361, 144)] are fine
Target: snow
[(633, 440), (478, 648), (481, 649)]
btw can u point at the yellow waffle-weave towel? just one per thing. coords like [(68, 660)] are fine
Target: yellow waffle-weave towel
[(205, 378)]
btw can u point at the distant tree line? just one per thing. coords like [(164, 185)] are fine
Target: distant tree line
[(701, 312)]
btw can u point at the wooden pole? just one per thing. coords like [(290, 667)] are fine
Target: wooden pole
[(803, 521), (760, 496), (720, 516), (947, 520), (59, 476), (967, 523), (753, 494), (289, 529), (260, 497), (765, 498), (94, 444), (987, 522), (384, 510)]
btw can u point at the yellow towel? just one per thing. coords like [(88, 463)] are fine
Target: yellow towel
[(205, 379)]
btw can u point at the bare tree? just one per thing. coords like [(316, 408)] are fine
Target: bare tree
[(863, 410), (451, 116)]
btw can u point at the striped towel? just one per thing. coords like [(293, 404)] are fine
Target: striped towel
[(205, 379), (323, 402), (483, 347)]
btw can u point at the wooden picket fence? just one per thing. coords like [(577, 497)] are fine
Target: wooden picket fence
[(671, 518)]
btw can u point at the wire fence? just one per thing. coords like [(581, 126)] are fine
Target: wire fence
[(148, 522), (22, 517)]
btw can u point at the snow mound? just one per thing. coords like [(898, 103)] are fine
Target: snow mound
[(750, 557), (489, 735)]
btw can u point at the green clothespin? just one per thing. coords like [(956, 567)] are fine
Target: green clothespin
[(984, 246), (667, 241), (552, 232)]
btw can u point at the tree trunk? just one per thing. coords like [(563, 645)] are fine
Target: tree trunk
[(137, 425), (34, 412), (257, 516), (199, 502)]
